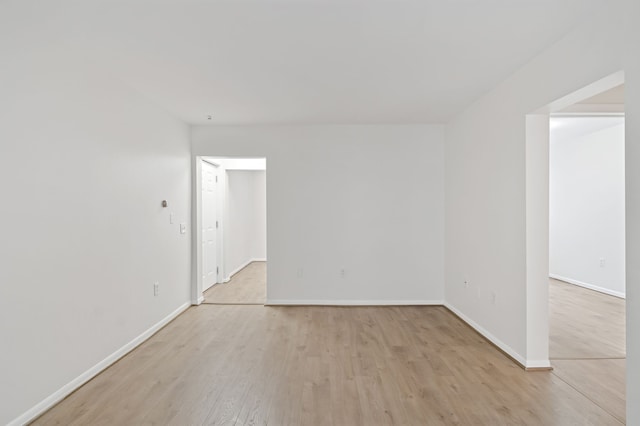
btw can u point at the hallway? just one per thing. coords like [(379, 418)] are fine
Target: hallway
[(247, 287)]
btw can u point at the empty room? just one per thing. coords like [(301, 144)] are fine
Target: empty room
[(392, 161)]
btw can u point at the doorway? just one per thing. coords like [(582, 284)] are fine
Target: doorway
[(604, 383), (232, 220), (587, 248)]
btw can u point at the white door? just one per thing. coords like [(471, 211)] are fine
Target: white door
[(209, 225)]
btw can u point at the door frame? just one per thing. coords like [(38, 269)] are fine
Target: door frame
[(196, 219), (196, 234), (537, 218), (219, 226)]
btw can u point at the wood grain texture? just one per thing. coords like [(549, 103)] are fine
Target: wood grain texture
[(587, 344), (601, 380), (584, 323), (248, 286), (257, 365)]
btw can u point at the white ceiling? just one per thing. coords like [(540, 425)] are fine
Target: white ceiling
[(566, 128), (314, 61), (613, 96)]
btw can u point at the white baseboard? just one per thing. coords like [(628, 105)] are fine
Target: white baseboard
[(538, 364), (316, 302), (493, 339), (67, 389), (589, 286), (241, 267), (200, 300)]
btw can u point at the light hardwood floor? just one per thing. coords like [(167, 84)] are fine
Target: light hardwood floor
[(585, 323), (587, 344), (257, 365), (248, 286)]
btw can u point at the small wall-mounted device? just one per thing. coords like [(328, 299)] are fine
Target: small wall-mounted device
[(164, 203)]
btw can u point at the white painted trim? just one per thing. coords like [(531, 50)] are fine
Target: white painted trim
[(200, 299), (589, 286), (538, 364), (200, 205), (211, 161), (244, 265), (298, 302), (196, 233), (221, 192), (493, 339), (67, 389), (537, 236), (586, 92)]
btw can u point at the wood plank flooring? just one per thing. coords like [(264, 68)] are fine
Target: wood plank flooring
[(587, 344), (257, 365), (248, 286), (600, 380), (585, 323)]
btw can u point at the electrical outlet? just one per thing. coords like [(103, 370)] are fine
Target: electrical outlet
[(493, 298), (156, 288), (466, 283), (183, 228), (602, 262)]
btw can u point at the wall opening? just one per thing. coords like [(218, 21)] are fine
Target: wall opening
[(231, 230), (563, 325)]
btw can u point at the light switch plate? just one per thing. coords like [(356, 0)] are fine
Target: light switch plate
[(183, 228)]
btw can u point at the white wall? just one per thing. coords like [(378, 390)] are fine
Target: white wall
[(632, 200), (241, 163), (586, 205), (84, 165), (366, 199), (485, 185), (245, 219)]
